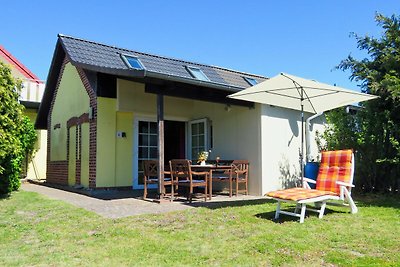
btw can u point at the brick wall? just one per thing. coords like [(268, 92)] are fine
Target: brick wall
[(92, 128), (57, 172)]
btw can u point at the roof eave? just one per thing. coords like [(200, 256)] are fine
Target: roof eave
[(209, 84), (52, 77), (107, 70)]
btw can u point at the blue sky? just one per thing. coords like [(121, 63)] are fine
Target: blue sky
[(303, 38)]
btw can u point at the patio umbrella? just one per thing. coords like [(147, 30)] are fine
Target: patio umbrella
[(300, 94)]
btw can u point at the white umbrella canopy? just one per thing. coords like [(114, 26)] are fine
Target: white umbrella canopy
[(292, 92)]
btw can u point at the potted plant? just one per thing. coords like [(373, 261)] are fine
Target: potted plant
[(202, 157)]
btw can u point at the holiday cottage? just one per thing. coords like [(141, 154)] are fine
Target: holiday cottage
[(100, 109)]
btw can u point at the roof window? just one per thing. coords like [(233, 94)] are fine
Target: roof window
[(251, 81), (197, 73), (132, 62)]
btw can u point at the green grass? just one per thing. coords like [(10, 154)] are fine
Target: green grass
[(36, 231)]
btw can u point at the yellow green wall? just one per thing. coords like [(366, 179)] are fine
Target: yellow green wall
[(114, 155), (123, 159), (71, 100), (85, 155), (106, 122), (31, 113), (72, 156)]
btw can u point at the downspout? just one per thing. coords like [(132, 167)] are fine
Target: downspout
[(308, 138)]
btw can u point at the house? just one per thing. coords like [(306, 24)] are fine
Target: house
[(100, 110), (30, 97)]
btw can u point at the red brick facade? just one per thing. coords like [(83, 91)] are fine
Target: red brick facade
[(92, 128), (57, 172)]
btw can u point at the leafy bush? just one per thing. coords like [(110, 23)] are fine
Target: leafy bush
[(17, 135)]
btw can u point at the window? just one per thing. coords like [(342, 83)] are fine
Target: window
[(197, 73), (132, 62), (251, 81), (147, 144), (199, 137)]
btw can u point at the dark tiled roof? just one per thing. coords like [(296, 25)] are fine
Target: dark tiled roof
[(108, 59)]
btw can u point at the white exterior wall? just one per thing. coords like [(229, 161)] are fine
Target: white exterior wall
[(237, 135), (281, 143)]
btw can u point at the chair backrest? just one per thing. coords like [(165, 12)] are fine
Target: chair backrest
[(335, 166), (150, 168), (180, 169), (240, 166)]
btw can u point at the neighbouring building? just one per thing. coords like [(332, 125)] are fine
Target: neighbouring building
[(100, 108), (30, 97)]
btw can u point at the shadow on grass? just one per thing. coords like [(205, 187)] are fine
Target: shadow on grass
[(286, 218), (4, 196), (229, 203)]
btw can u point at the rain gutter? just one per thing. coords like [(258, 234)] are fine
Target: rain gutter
[(175, 78), (308, 138)]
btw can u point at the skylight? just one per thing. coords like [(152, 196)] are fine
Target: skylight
[(132, 62), (197, 73), (251, 81)]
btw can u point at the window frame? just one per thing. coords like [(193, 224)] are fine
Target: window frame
[(207, 137), (126, 61), (135, 147), (250, 80), (192, 69)]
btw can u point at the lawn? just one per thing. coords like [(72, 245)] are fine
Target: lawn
[(35, 230)]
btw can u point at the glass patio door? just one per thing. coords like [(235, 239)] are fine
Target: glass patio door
[(145, 133)]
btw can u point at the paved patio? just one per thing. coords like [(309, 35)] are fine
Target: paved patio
[(118, 204)]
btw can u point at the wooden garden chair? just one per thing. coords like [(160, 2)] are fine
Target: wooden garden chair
[(334, 182), (182, 173), (150, 172), (237, 174)]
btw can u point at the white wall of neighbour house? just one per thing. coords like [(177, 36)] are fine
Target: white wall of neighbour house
[(236, 130), (32, 90), (281, 143)]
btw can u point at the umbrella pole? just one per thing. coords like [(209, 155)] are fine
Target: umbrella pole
[(302, 141)]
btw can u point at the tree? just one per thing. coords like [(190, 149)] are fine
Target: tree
[(17, 135), (374, 132)]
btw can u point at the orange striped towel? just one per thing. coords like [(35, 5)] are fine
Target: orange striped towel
[(298, 193)]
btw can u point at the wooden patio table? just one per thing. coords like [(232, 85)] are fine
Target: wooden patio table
[(210, 168)]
